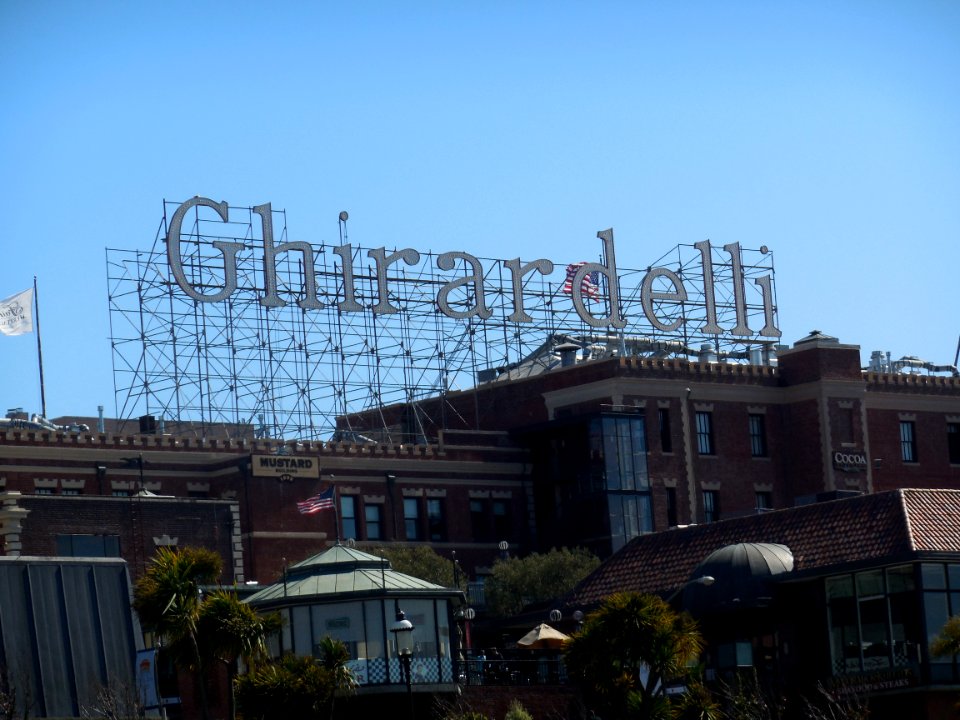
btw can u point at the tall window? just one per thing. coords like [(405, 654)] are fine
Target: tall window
[(627, 480), (502, 523), (844, 425), (908, 442), (666, 443), (953, 442), (764, 500), (374, 523), (705, 433), (671, 507), (758, 435), (711, 506), (348, 515), (411, 518), (435, 519), (479, 520)]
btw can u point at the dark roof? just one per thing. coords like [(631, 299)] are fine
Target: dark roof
[(888, 526)]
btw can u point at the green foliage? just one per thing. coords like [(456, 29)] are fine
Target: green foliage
[(198, 630), (516, 582), (167, 598), (228, 629), (421, 561), (294, 687), (627, 652), (517, 711), (947, 641)]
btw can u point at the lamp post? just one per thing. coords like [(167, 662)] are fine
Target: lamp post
[(402, 631)]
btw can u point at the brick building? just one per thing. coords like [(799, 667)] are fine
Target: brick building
[(591, 452)]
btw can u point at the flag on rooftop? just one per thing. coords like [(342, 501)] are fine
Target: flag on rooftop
[(16, 313), (588, 285), (320, 501)]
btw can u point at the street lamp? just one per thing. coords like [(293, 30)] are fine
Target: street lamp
[(402, 631)]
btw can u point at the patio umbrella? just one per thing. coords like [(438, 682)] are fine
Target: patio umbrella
[(541, 637)]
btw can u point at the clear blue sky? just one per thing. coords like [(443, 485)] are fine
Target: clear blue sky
[(829, 131)]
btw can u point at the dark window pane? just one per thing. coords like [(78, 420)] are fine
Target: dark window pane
[(666, 443), (348, 516), (411, 518), (372, 517)]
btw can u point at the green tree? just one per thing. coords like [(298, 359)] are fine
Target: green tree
[(294, 686), (516, 582), (198, 630), (947, 641), (167, 599), (229, 630), (626, 653), (422, 561)]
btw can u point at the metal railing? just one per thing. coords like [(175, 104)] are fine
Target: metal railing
[(512, 667)]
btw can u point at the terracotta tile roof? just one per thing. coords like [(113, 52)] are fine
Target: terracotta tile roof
[(837, 533)]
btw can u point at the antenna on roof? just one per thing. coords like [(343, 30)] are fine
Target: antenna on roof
[(957, 356)]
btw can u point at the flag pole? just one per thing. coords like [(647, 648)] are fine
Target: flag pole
[(36, 306)]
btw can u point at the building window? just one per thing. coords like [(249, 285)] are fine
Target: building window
[(953, 442), (908, 442), (69, 491), (120, 493), (502, 523), (43, 491), (941, 600), (704, 433), (371, 514), (758, 435), (88, 545), (435, 519), (479, 520), (348, 515), (671, 507), (624, 458), (874, 620), (666, 443), (411, 518), (711, 506), (764, 500), (844, 425)]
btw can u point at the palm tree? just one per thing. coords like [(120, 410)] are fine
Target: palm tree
[(628, 650), (229, 630), (334, 656), (168, 600)]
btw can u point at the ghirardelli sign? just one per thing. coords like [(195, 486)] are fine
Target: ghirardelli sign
[(596, 290)]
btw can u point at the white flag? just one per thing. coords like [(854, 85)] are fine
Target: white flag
[(16, 313)]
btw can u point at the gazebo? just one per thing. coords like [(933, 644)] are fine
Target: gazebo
[(354, 597)]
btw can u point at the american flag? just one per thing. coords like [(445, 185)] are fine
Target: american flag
[(321, 501), (588, 286)]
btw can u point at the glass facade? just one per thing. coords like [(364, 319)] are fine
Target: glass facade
[(623, 449), (941, 599), (874, 620), (364, 627)]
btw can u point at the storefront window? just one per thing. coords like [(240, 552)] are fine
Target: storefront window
[(873, 618), (941, 600)]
